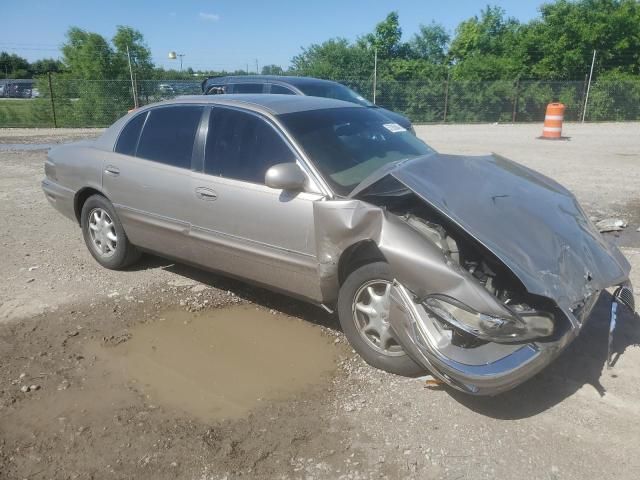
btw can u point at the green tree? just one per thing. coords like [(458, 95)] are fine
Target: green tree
[(487, 47), (560, 44), (272, 70), (88, 55), (14, 66), (336, 58), (386, 38), (45, 65), (615, 96), (131, 39), (490, 33), (96, 88), (430, 43)]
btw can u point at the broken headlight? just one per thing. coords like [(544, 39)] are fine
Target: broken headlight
[(510, 328)]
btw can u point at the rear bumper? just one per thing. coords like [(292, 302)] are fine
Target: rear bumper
[(60, 198), (476, 377)]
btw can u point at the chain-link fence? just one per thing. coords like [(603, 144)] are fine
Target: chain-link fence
[(58, 101)]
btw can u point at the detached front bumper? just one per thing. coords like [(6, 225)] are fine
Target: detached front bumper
[(487, 370)]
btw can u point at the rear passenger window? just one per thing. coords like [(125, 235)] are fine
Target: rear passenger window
[(243, 146), (168, 135), (129, 135), (280, 90), (247, 88)]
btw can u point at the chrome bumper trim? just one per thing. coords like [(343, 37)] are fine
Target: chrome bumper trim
[(407, 317), (622, 296)]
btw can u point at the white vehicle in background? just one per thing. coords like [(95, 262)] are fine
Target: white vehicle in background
[(166, 89)]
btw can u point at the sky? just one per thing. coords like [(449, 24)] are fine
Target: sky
[(227, 34)]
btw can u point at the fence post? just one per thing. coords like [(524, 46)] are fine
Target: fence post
[(515, 101), (446, 97), (53, 103)]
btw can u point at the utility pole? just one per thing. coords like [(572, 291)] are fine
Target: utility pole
[(375, 72), (133, 85), (586, 99), (257, 71), (53, 105), (515, 101), (446, 96)]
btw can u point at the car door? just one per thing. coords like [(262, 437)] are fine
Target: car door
[(148, 178), (240, 225)]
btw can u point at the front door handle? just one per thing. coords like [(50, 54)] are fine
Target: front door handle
[(111, 170), (206, 194)]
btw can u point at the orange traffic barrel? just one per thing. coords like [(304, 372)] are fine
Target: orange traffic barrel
[(553, 121)]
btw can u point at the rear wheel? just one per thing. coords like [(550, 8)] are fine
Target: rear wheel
[(104, 236), (363, 310)]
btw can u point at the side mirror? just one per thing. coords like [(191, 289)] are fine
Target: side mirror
[(285, 176)]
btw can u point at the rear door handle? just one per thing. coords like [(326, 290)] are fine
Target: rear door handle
[(206, 194), (111, 170)]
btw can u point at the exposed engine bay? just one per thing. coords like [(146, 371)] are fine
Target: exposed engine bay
[(460, 248)]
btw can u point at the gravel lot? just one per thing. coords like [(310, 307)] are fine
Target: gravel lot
[(59, 311)]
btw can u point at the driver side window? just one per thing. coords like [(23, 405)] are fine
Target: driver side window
[(243, 146)]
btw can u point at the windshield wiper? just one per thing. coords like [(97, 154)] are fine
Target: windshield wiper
[(376, 175)]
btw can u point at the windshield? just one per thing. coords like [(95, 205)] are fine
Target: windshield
[(348, 144), (334, 90)]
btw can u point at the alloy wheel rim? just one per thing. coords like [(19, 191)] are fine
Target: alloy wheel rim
[(102, 231), (371, 317)]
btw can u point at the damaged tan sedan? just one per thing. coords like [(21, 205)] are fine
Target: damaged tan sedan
[(475, 269)]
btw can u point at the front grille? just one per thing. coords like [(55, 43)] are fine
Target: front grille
[(624, 295)]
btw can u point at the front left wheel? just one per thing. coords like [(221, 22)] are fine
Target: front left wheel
[(363, 310), (104, 236)]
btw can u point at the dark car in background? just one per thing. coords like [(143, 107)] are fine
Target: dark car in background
[(289, 85)]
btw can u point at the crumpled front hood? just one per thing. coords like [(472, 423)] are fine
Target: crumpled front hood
[(531, 223)]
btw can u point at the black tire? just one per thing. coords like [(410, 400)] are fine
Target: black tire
[(400, 363), (124, 253)]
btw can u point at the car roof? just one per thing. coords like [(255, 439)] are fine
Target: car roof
[(285, 79), (268, 103)]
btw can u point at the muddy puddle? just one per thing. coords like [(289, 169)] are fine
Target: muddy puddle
[(221, 363)]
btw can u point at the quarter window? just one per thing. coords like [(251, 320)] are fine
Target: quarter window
[(216, 90), (243, 146), (128, 139), (247, 88), (169, 134), (280, 90)]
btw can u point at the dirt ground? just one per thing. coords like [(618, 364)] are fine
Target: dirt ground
[(70, 407)]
